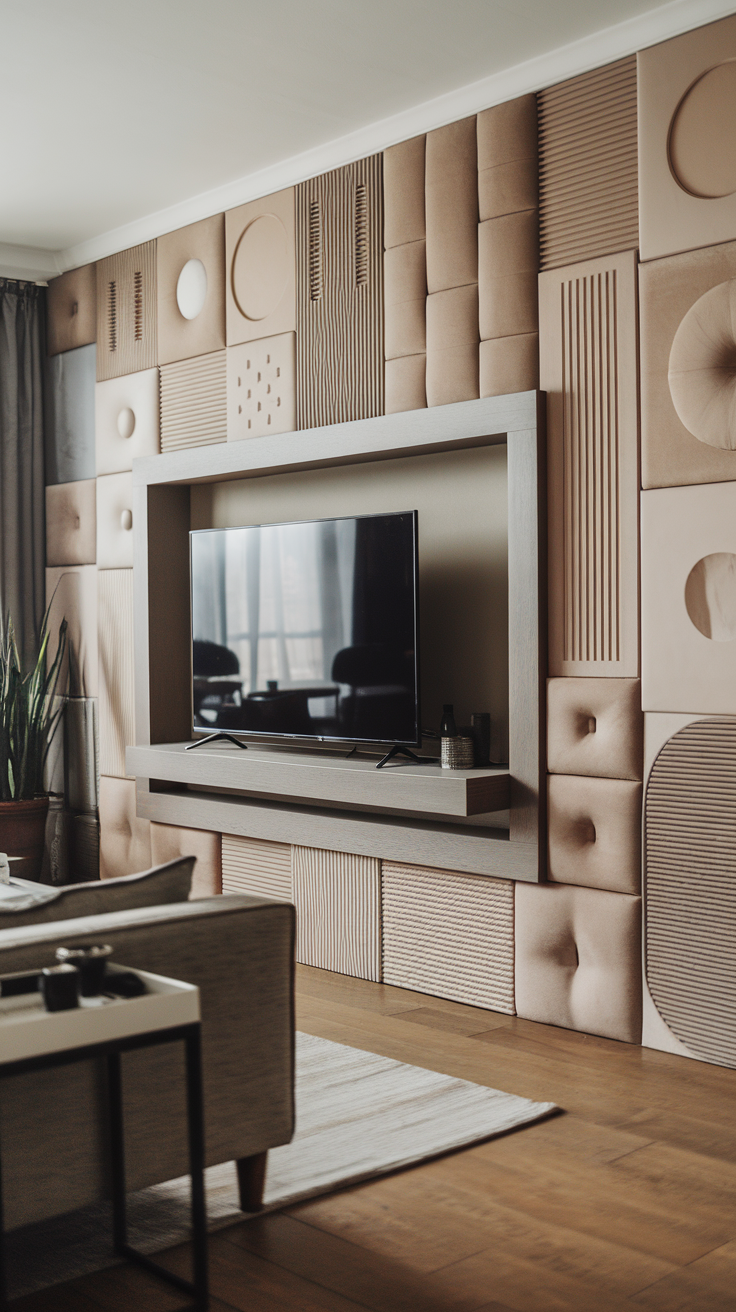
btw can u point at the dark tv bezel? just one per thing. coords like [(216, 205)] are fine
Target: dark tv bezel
[(199, 731)]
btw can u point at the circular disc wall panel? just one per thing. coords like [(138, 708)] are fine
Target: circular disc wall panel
[(702, 144), (690, 851), (261, 267), (702, 368), (191, 289)]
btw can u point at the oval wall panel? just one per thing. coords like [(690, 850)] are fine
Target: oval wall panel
[(702, 144), (260, 268)]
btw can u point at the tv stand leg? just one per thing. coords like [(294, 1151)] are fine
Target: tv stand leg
[(216, 738), (352, 752), (398, 751)]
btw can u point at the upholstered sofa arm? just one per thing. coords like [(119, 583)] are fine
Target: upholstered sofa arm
[(239, 950)]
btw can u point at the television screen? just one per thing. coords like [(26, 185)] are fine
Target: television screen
[(307, 630)]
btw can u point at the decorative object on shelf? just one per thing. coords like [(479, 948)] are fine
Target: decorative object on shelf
[(456, 753), (90, 962), (448, 728), (480, 726), (59, 987)]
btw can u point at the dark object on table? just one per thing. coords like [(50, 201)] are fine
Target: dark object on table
[(480, 730), (448, 728), (91, 963), (59, 987), (125, 984), (15, 985)]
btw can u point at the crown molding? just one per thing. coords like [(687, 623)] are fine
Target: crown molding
[(545, 70), (29, 263)]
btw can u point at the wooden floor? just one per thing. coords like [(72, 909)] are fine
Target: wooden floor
[(628, 1200)]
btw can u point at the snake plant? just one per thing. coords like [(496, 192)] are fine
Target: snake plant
[(29, 711)]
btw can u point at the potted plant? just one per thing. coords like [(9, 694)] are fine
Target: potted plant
[(29, 718)]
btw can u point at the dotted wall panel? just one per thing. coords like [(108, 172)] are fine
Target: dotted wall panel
[(69, 416), (190, 288), (338, 911), (115, 639), (261, 387), (71, 310), (193, 402), (252, 865), (451, 935), (126, 312)]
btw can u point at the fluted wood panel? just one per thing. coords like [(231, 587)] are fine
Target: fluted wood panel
[(449, 934), (588, 355), (126, 312), (250, 865), (339, 263), (115, 644), (194, 402), (690, 856), (588, 174), (338, 911)]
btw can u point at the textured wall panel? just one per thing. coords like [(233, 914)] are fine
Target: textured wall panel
[(340, 295), (507, 158), (509, 364), (71, 309), (259, 254), (261, 387), (181, 337), (595, 727), (71, 523), (690, 853), (403, 193), (251, 865), (125, 840), (452, 346), (588, 195), (126, 420), (338, 911), (507, 275), (594, 832), (170, 841), (450, 935), (115, 637), (69, 416), (451, 194), (126, 312), (193, 402), (588, 351), (405, 279), (406, 383), (115, 521), (74, 594)]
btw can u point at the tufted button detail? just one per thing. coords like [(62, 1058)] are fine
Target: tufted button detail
[(591, 724)]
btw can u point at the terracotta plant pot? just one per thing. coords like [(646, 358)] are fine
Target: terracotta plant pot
[(22, 833)]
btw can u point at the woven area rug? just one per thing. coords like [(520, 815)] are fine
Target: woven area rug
[(358, 1116)]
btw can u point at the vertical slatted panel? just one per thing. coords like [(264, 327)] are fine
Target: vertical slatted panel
[(588, 177), (339, 218), (126, 312), (450, 935), (338, 902), (193, 402), (690, 881), (251, 865), (115, 640)]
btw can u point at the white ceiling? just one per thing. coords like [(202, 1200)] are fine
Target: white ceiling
[(113, 112)]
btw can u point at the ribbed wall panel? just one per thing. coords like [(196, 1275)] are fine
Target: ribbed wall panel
[(115, 640), (194, 402), (251, 865), (338, 905), (450, 935), (126, 312), (339, 274), (690, 880), (588, 176)]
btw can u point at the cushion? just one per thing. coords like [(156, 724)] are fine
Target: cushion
[(451, 199), (595, 832), (595, 727), (151, 888), (403, 193)]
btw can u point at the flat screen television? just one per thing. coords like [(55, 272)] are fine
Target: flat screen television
[(308, 630)]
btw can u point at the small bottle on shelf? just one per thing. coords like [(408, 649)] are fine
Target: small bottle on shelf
[(448, 728)]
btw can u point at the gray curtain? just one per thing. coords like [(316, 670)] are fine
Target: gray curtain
[(22, 509)]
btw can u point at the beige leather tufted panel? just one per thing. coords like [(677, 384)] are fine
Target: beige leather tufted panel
[(452, 345), (509, 364), (594, 832), (125, 841), (507, 274), (179, 338), (595, 727), (406, 383), (507, 158), (171, 841), (405, 294), (578, 959), (70, 523), (72, 310), (451, 194), (403, 193)]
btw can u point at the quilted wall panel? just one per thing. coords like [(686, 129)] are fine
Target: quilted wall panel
[(252, 865), (451, 199), (74, 593), (405, 276), (339, 261), (69, 416), (595, 728), (115, 638), (71, 523), (126, 312), (260, 261), (126, 420), (171, 841), (125, 840), (190, 288), (450, 935), (193, 402), (594, 832), (338, 905), (71, 310)]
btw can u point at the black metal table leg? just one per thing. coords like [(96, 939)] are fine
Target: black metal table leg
[(3, 1278), (195, 1120), (117, 1151)]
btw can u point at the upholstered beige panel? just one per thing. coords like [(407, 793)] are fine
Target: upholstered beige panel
[(115, 638), (507, 275), (687, 177), (406, 383), (507, 158), (71, 523), (261, 387), (405, 291), (403, 192), (452, 206), (126, 312), (191, 304), (193, 402), (115, 521), (509, 364), (71, 309), (125, 841), (587, 366), (252, 865), (338, 911), (126, 420), (588, 167), (669, 290), (81, 754), (688, 586), (595, 727), (259, 255), (448, 934), (594, 832), (74, 594), (171, 841), (452, 346), (578, 959)]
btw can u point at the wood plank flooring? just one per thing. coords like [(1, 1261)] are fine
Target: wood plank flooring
[(628, 1200)]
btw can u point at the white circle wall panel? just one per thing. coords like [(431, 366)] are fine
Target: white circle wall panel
[(688, 586), (126, 420), (690, 855), (191, 289), (115, 521), (702, 134)]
